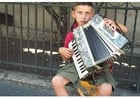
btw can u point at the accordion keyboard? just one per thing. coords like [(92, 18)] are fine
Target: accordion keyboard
[(79, 64)]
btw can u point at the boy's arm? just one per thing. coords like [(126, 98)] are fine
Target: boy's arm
[(121, 28)]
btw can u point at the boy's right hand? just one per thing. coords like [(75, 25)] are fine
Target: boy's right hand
[(66, 53)]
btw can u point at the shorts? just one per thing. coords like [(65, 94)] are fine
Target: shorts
[(69, 72)]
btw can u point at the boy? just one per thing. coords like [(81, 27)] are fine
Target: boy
[(82, 12)]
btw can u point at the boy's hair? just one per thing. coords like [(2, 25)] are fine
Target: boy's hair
[(83, 3), (77, 4)]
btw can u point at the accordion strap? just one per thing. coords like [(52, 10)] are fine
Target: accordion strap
[(100, 71), (98, 67)]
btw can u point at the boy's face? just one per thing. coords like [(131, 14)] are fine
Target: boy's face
[(82, 14)]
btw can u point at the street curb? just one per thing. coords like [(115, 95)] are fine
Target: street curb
[(25, 78), (30, 79)]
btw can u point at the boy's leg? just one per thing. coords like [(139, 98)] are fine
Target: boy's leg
[(105, 82), (105, 89), (65, 75), (58, 83)]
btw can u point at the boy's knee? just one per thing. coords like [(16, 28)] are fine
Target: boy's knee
[(55, 79), (59, 81), (105, 89)]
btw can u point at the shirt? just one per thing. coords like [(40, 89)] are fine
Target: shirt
[(69, 36)]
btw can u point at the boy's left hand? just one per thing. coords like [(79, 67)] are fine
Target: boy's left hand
[(110, 23)]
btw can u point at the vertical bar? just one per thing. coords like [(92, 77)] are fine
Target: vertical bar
[(51, 41), (133, 45), (43, 33), (36, 28), (13, 8), (133, 40), (68, 18), (106, 4), (133, 37), (115, 16), (14, 32), (0, 40), (59, 28), (7, 36), (126, 11), (21, 35), (59, 32), (28, 31)]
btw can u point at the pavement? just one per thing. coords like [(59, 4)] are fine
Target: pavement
[(13, 83)]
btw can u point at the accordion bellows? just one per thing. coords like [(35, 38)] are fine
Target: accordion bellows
[(94, 43)]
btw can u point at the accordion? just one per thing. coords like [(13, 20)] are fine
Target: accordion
[(95, 43)]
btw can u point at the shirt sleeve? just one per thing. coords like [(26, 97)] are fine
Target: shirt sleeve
[(68, 38)]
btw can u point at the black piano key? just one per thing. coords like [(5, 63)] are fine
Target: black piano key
[(77, 54), (81, 65), (83, 70), (79, 60)]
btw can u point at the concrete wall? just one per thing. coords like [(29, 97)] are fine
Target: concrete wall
[(32, 22)]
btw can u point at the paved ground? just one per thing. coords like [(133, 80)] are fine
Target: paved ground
[(26, 84), (12, 89)]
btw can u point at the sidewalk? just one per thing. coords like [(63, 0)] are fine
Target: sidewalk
[(32, 81), (25, 78)]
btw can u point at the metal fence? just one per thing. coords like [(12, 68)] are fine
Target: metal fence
[(31, 33)]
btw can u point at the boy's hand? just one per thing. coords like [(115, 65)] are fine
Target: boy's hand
[(111, 24), (115, 26), (66, 53)]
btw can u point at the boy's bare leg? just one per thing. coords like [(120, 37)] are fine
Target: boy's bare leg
[(105, 89), (58, 83)]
